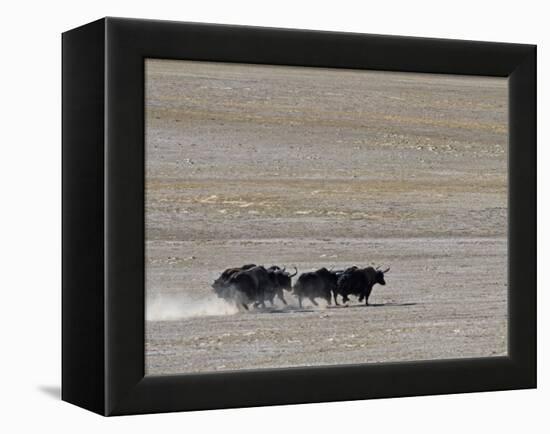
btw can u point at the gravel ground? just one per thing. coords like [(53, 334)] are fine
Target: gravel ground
[(319, 167)]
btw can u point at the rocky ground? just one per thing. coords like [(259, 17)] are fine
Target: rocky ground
[(319, 167)]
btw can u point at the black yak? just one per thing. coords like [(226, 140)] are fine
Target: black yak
[(358, 282), (280, 280), (315, 284)]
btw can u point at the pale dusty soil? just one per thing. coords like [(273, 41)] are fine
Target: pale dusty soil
[(317, 167)]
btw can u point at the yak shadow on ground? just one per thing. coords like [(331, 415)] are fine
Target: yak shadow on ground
[(295, 309), (390, 304), (283, 309)]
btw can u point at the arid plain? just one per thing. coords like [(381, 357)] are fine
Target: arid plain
[(312, 167)]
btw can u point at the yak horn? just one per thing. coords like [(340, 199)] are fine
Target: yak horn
[(296, 272), (386, 270)]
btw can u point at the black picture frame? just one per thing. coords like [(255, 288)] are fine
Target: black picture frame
[(103, 216)]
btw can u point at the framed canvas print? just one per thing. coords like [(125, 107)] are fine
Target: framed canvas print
[(257, 216)]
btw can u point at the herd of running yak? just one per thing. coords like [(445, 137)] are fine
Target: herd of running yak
[(255, 284)]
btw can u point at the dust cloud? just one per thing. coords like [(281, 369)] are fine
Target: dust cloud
[(177, 307)]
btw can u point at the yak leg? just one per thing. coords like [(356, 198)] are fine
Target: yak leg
[(282, 297), (313, 301), (259, 303), (300, 301), (336, 299), (367, 294), (261, 300), (244, 305)]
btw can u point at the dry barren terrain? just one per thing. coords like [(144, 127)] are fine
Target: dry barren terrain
[(319, 167)]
